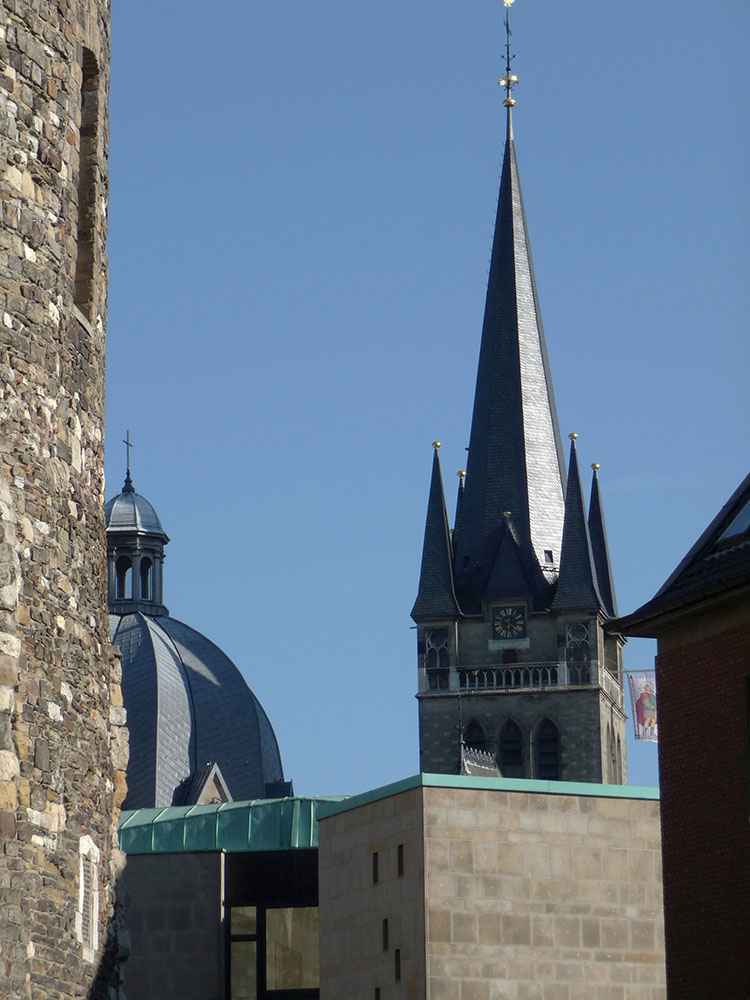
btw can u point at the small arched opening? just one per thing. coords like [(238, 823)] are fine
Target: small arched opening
[(147, 580), (123, 578)]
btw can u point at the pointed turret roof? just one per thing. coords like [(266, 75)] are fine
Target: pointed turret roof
[(436, 597), (577, 588), (599, 547), (515, 454)]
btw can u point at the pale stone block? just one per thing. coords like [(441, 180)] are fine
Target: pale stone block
[(568, 932), (475, 989), (641, 866), (516, 929), (462, 856), (543, 931), (489, 928), (509, 858), (536, 860), (615, 933)]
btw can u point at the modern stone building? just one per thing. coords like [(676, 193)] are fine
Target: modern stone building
[(451, 888), (197, 732), (513, 658), (701, 620), (63, 750)]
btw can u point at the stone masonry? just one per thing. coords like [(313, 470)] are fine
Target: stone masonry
[(63, 745), (521, 895)]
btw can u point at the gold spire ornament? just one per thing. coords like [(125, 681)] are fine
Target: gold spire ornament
[(436, 445)]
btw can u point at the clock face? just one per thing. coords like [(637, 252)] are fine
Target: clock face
[(509, 622)]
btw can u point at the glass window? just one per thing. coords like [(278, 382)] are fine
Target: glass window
[(292, 948), (243, 965), (243, 920)]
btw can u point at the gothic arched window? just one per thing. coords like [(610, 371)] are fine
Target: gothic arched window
[(474, 736), (547, 751), (510, 757)]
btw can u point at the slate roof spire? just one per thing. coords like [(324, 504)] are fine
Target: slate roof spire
[(599, 547), (515, 459), (577, 588), (436, 597)]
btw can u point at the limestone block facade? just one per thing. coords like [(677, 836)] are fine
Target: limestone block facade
[(511, 890), (63, 748)]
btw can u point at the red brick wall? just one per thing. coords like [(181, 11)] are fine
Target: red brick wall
[(705, 800)]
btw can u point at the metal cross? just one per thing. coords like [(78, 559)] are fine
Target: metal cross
[(128, 446)]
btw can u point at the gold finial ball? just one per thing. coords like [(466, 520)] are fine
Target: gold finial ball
[(573, 436), (461, 473), (509, 102), (595, 466), (436, 444), (506, 513)]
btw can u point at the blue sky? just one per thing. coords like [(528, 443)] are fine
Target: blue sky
[(301, 210)]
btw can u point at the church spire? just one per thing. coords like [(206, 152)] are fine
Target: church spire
[(515, 453), (599, 547), (436, 597), (577, 588)]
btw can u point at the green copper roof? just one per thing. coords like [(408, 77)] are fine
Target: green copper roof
[(258, 825), (528, 785)]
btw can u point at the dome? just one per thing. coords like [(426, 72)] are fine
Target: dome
[(189, 711), (129, 511)]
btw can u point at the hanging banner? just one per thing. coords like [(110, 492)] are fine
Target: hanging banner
[(643, 692)]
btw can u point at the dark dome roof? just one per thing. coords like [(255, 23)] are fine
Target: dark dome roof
[(188, 706), (129, 511)]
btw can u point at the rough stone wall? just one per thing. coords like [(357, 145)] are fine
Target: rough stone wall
[(63, 748)]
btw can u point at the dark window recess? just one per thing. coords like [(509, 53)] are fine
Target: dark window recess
[(377, 993), (548, 751), (548, 557), (474, 736), (400, 860), (397, 965), (375, 867), (385, 934), (511, 750), (510, 656)]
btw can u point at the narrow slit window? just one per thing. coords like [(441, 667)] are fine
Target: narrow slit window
[(397, 965), (375, 868), (400, 860), (385, 934)]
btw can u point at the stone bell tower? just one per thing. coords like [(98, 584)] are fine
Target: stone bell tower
[(63, 746), (513, 658)]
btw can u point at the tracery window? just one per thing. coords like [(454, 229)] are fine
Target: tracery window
[(578, 653), (436, 657)]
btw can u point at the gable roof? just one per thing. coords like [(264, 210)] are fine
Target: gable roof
[(718, 564)]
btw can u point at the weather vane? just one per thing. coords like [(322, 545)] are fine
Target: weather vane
[(509, 80)]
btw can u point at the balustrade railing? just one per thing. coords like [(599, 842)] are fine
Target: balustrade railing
[(516, 676)]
